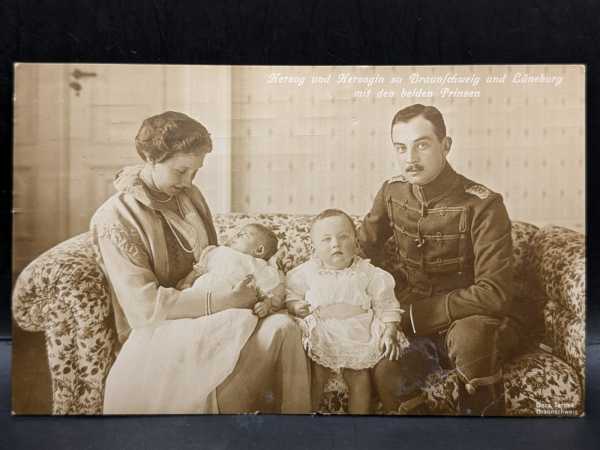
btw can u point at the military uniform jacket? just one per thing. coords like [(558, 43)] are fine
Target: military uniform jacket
[(454, 248)]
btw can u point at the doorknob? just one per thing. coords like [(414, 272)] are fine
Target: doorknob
[(77, 74)]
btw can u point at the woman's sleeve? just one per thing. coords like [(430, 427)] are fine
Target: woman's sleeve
[(128, 267), (295, 285), (381, 289)]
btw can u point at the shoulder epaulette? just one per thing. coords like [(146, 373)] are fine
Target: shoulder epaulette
[(478, 190), (397, 179)]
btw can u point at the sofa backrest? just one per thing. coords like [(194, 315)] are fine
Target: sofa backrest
[(294, 240), (73, 260), (295, 248)]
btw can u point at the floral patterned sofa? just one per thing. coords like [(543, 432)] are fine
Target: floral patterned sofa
[(63, 293)]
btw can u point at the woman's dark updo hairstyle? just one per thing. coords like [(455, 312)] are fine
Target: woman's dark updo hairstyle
[(166, 134)]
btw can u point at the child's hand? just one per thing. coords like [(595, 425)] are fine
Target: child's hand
[(298, 309), (261, 309), (388, 344)]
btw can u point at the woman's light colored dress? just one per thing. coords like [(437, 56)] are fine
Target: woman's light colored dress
[(352, 342), (218, 363)]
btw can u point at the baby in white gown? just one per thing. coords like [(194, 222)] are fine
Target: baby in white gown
[(246, 255), (350, 315)]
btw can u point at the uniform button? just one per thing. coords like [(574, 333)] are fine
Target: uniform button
[(459, 274), (439, 260), (439, 234)]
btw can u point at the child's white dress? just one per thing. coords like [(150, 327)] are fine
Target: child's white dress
[(351, 343)]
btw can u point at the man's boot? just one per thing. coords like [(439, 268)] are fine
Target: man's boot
[(483, 400)]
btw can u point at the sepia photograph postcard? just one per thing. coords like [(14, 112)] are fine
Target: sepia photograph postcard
[(362, 240)]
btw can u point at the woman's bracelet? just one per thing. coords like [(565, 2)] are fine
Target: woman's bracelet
[(208, 303)]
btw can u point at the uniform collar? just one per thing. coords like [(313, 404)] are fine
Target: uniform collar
[(437, 188)]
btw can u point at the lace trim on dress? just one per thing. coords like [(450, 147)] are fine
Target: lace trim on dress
[(335, 358), (339, 357)]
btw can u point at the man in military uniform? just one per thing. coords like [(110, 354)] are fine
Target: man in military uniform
[(454, 274)]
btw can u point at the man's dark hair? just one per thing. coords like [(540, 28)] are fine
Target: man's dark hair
[(270, 237), (430, 113), (333, 213)]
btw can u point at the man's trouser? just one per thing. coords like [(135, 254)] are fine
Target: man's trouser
[(475, 346)]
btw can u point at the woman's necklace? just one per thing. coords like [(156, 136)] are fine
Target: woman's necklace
[(181, 244), (179, 208)]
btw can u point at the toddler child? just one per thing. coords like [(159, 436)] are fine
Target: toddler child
[(349, 314)]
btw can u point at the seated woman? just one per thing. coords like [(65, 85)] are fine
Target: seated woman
[(147, 237)]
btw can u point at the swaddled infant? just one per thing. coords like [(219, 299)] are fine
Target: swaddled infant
[(245, 257)]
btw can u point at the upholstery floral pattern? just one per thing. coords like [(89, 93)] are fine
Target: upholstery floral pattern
[(558, 260), (541, 384), (535, 384), (565, 335), (64, 293), (522, 236), (291, 230), (559, 266)]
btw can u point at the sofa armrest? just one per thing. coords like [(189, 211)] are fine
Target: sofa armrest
[(565, 334), (559, 267), (64, 293), (558, 260), (36, 290)]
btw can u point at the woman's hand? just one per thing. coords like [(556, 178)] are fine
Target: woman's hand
[(243, 295)]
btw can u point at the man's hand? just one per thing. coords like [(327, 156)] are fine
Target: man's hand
[(298, 309)]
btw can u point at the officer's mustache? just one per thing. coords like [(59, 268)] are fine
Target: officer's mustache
[(414, 167)]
